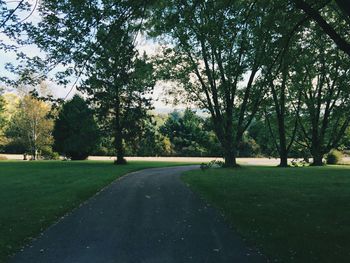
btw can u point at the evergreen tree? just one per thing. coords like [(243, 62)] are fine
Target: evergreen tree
[(75, 132), (117, 84)]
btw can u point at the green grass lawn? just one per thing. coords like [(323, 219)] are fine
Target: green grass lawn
[(292, 215), (33, 195)]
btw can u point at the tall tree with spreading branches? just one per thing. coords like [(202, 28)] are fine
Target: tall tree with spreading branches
[(216, 51), (325, 93), (94, 43)]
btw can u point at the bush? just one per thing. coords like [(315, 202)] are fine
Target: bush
[(48, 154), (334, 157), (212, 164)]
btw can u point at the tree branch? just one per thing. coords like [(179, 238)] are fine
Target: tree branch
[(326, 27)]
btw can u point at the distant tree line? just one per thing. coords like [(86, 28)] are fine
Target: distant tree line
[(73, 131)]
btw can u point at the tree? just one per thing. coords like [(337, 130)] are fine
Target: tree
[(325, 94), (68, 32), (117, 84), (149, 141), (185, 132), (215, 45), (105, 36), (281, 118), (31, 127), (75, 131), (9, 107), (260, 133)]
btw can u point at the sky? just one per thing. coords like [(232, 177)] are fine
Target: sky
[(142, 44)]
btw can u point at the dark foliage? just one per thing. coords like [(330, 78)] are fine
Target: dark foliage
[(76, 133)]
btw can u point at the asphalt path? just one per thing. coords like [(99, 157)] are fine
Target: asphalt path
[(146, 216)]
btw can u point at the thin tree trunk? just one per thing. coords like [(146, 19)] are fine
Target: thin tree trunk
[(34, 153), (120, 150), (283, 152), (118, 138)]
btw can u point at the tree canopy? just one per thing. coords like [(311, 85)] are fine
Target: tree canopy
[(75, 131), (278, 66)]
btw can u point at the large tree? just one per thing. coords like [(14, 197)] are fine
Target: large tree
[(117, 83), (280, 117), (216, 52), (86, 38), (325, 94)]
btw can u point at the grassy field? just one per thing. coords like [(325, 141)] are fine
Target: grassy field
[(292, 215), (33, 195)]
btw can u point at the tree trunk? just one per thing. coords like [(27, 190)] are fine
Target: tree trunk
[(283, 152), (228, 142), (317, 159), (230, 159), (119, 149), (229, 152), (316, 148), (283, 160), (118, 137), (34, 153), (281, 114)]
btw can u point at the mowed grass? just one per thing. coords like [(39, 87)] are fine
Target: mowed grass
[(33, 195), (292, 215)]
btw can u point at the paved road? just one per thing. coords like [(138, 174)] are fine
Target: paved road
[(149, 216)]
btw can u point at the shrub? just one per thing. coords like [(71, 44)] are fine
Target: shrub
[(3, 158), (334, 157), (48, 154), (211, 164)]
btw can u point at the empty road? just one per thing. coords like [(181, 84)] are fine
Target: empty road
[(146, 216)]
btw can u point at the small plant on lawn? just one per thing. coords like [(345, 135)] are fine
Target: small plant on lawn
[(211, 164), (298, 163)]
